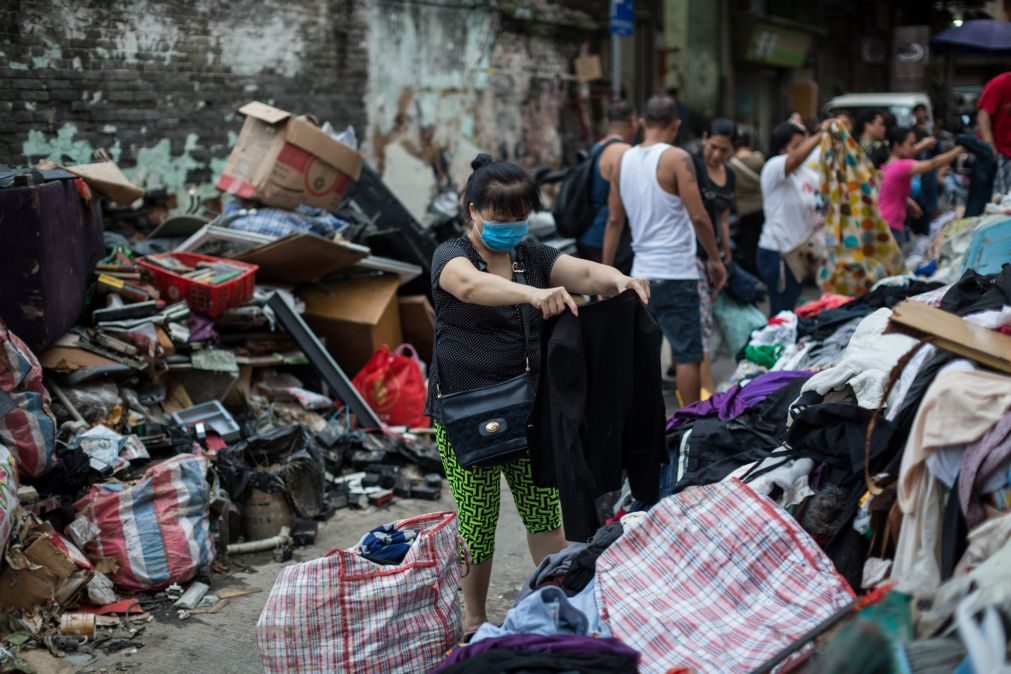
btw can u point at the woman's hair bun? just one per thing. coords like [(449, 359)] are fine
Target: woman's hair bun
[(481, 161)]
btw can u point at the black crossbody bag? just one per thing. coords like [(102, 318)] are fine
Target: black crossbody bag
[(488, 426)]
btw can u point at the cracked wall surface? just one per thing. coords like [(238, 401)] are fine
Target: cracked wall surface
[(156, 83)]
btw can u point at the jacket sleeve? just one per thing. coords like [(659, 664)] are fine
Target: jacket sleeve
[(645, 447), (556, 448)]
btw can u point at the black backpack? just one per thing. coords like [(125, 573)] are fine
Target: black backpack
[(572, 210)]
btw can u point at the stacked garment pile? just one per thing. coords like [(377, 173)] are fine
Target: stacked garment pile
[(853, 459)]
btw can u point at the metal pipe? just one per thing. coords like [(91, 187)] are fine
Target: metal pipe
[(261, 545), (55, 388)]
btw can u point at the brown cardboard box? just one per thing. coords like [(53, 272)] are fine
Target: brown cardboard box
[(417, 317), (284, 161), (355, 317), (49, 566)]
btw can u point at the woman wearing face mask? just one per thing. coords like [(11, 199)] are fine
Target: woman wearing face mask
[(480, 342)]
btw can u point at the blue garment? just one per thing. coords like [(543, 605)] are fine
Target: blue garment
[(546, 611), (280, 222), (982, 176), (773, 272), (599, 189), (386, 544), (586, 601)]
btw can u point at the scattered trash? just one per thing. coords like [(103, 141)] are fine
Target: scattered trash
[(191, 598), (193, 410), (82, 624), (212, 413), (100, 590), (233, 594), (42, 565), (283, 553), (109, 451), (119, 645)]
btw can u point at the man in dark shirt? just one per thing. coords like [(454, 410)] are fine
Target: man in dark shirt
[(870, 129), (622, 125)]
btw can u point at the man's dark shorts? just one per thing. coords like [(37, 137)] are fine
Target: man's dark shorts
[(674, 305)]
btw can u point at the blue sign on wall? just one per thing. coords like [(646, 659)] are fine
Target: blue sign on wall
[(621, 17)]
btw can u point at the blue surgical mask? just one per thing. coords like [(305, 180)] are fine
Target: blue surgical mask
[(503, 236)]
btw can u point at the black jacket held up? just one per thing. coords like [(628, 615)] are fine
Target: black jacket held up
[(599, 408)]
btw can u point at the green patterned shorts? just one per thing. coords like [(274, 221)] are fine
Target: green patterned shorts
[(477, 495)]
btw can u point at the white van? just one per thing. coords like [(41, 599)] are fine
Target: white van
[(899, 104)]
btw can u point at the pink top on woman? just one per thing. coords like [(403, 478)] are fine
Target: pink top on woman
[(896, 185)]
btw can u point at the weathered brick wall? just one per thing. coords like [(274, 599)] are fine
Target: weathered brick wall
[(156, 82)]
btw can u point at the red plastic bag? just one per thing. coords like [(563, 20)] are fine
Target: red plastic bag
[(393, 385)]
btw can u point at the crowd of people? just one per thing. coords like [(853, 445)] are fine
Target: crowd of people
[(726, 209), (670, 225)]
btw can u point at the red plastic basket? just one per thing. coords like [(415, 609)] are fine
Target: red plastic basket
[(203, 298)]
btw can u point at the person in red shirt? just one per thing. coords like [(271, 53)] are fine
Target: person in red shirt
[(994, 121)]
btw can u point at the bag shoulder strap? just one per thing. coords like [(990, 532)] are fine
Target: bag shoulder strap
[(595, 155), (520, 274), (739, 165)]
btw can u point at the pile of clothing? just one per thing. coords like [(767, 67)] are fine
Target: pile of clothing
[(849, 473)]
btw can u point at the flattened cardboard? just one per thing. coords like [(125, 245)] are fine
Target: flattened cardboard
[(283, 161), (953, 333), (417, 318), (302, 258), (355, 317), (66, 359), (105, 177), (264, 113)]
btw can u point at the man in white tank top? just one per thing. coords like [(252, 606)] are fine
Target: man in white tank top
[(657, 189)]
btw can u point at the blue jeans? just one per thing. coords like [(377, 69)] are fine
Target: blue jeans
[(784, 289), (675, 306)]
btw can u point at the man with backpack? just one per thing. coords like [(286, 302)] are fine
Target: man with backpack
[(581, 209), (655, 186)]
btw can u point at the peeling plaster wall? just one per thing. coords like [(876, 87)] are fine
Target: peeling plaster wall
[(156, 82), (445, 84)]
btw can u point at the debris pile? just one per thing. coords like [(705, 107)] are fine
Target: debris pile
[(185, 392)]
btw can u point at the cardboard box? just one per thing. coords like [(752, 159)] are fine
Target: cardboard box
[(283, 161), (355, 317), (302, 258), (417, 318), (48, 567)]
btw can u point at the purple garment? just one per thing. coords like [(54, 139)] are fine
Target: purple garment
[(737, 399), (201, 328), (982, 459), (557, 643)]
